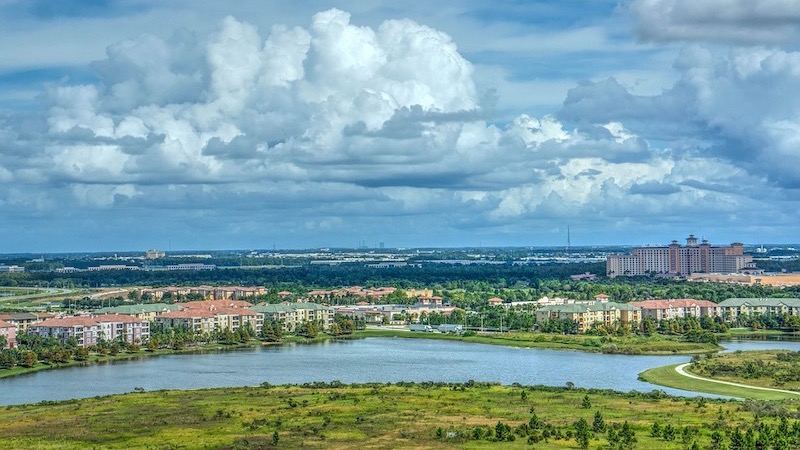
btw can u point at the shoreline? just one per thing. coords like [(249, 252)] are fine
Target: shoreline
[(544, 341)]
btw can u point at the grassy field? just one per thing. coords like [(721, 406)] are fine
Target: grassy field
[(632, 345), (323, 416), (779, 369), (667, 376)]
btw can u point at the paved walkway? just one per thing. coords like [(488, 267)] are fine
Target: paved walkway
[(680, 370)]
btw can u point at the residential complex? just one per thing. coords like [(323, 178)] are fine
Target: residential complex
[(677, 309), (734, 307), (291, 315), (88, 331), (9, 331), (587, 314), (204, 292), (22, 320), (680, 260)]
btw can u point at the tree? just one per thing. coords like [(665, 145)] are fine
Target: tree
[(308, 329), (586, 403), (582, 433), (28, 359), (627, 437), (649, 326), (3, 342), (599, 425)]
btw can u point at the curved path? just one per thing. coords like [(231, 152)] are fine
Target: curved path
[(681, 370)]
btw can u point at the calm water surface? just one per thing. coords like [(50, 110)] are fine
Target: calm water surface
[(353, 361)]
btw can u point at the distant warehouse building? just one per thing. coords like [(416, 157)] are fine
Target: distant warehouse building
[(680, 260)]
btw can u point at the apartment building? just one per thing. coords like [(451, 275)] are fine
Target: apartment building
[(206, 292), (677, 308), (9, 331), (88, 330), (23, 320), (680, 260), (293, 314), (586, 314), (210, 315), (145, 311), (734, 307)]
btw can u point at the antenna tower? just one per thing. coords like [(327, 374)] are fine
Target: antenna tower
[(568, 239)]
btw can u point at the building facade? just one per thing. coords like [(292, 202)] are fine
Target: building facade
[(735, 307), (291, 315), (587, 314), (88, 331), (680, 260), (9, 331), (677, 308)]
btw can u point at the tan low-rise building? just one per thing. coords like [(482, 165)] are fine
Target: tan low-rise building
[(735, 307), (144, 311), (291, 315), (587, 314), (677, 308)]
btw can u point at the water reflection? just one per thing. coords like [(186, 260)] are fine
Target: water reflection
[(353, 361)]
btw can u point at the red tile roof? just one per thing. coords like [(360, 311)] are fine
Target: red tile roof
[(7, 325), (675, 303), (188, 314), (216, 304), (119, 318), (67, 322)]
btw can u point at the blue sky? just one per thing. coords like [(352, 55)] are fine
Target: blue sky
[(135, 124)]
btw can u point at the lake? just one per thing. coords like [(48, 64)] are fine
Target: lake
[(353, 361)]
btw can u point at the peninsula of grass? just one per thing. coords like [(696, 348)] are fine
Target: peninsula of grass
[(777, 369), (629, 345), (396, 416), (669, 377)]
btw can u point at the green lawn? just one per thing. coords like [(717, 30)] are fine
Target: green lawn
[(360, 416), (667, 376)]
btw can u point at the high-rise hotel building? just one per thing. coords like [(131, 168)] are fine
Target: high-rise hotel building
[(679, 260)]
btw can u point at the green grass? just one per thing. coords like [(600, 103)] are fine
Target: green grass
[(667, 376), (758, 368), (351, 416)]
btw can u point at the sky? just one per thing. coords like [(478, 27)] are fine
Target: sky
[(187, 124)]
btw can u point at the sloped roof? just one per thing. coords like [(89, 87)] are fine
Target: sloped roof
[(142, 308), (579, 307), (674, 303), (736, 302)]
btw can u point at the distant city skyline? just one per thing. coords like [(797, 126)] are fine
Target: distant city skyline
[(258, 124)]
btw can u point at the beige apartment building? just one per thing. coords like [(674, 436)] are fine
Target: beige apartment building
[(293, 314), (586, 314), (735, 307), (88, 330), (680, 260), (677, 308)]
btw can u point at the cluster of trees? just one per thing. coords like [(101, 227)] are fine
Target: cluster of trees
[(783, 321), (32, 349), (535, 430), (784, 369), (778, 435)]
